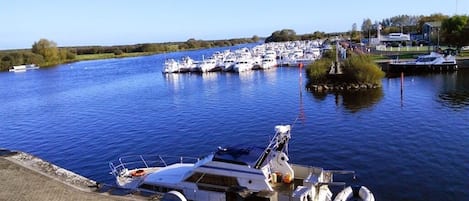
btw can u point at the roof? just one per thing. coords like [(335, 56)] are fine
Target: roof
[(238, 155), (433, 24)]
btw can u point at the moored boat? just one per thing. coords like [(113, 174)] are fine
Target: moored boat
[(268, 62), (230, 173), (425, 63), (23, 68), (170, 66), (243, 64)]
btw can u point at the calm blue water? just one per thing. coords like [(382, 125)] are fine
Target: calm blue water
[(80, 116)]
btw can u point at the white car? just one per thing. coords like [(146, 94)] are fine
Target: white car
[(464, 48)]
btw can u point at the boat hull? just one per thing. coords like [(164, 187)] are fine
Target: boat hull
[(419, 68)]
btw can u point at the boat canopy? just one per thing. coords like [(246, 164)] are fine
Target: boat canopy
[(239, 155)]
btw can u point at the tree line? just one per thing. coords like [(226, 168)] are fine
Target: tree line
[(290, 35), (453, 31), (46, 52), (190, 44)]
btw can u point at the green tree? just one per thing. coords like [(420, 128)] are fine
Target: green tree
[(255, 38), (282, 35), (367, 28), (118, 52), (31, 58), (48, 49), (193, 44), (318, 35), (6, 61), (355, 35), (437, 17), (456, 30)]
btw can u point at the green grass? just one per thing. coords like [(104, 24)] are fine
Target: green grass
[(109, 56), (464, 53)]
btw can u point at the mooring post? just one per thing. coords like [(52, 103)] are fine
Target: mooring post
[(402, 83)]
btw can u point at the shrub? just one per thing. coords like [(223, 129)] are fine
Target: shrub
[(118, 52), (317, 71), (362, 69)]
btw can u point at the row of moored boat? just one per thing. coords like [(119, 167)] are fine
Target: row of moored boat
[(264, 56)]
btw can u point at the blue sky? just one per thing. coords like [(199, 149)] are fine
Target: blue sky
[(114, 22)]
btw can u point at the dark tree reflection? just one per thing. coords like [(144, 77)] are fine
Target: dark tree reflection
[(353, 100), (455, 90), (357, 100)]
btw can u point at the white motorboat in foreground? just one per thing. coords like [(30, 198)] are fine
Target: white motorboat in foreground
[(231, 173)]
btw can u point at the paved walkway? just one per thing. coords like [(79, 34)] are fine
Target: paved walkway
[(25, 177)]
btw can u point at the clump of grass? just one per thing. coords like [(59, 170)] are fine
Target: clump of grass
[(357, 69), (361, 69), (317, 72)]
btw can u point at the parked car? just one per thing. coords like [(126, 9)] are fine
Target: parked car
[(422, 42), (464, 48)]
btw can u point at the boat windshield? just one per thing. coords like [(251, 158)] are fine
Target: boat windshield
[(236, 155), (425, 59)]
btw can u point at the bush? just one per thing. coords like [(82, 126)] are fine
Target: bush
[(118, 52), (362, 69), (317, 72)]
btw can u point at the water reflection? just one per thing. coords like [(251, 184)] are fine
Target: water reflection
[(209, 76), (174, 80), (353, 101), (455, 90), (270, 75), (246, 76)]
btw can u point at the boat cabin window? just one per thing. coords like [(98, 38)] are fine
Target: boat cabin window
[(212, 179), (426, 59), (156, 188)]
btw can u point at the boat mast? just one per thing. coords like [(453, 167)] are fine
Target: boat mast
[(278, 143)]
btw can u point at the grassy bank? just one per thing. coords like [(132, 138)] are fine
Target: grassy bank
[(84, 57)]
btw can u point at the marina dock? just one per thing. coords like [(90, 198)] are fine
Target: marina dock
[(26, 177)]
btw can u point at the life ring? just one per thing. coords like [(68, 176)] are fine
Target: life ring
[(138, 173)]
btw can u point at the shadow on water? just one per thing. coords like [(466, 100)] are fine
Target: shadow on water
[(352, 100), (455, 90)]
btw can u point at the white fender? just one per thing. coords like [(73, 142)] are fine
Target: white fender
[(344, 195), (364, 194), (173, 196)]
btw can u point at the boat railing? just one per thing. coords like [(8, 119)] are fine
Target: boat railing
[(146, 161)]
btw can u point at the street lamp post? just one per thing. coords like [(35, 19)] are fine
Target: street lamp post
[(369, 38)]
